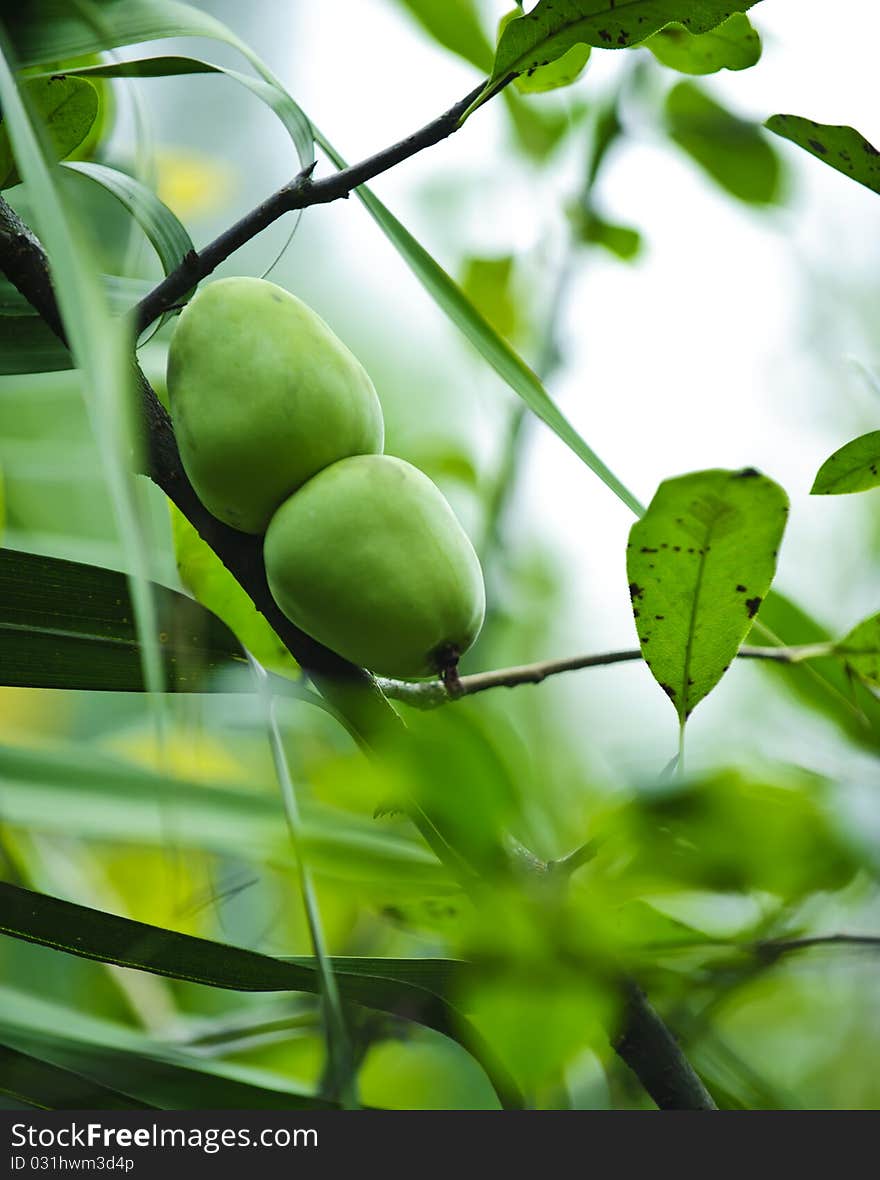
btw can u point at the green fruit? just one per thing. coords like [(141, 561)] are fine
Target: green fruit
[(263, 396), (368, 559)]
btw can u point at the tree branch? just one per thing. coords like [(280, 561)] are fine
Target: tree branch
[(430, 694), (301, 193)]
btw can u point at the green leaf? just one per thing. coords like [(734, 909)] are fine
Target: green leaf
[(733, 45), (700, 564), (840, 147), (855, 467), (823, 685), (456, 25), (205, 575), (559, 73), (67, 625), (728, 833), (489, 284), (621, 240), (65, 108), (166, 234), (861, 650), (383, 984), (507, 363), (731, 150), (46, 1086), (552, 27)]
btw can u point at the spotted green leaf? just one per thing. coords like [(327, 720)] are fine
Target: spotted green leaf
[(853, 468), (549, 31), (65, 108), (700, 563), (861, 650), (840, 147), (556, 74), (733, 45)]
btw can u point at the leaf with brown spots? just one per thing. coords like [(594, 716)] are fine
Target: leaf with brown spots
[(853, 468), (553, 27), (703, 558), (842, 148)]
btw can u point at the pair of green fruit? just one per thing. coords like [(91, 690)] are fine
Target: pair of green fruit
[(281, 432)]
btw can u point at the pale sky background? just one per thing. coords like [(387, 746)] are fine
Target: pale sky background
[(732, 342)]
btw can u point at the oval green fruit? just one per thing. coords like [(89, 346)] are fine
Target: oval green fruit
[(369, 559), (263, 396)]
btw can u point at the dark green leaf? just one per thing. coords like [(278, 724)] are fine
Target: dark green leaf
[(861, 650), (383, 984), (65, 108), (554, 26), (67, 625), (700, 563), (840, 147), (731, 150), (824, 685), (853, 468), (41, 1084), (733, 45)]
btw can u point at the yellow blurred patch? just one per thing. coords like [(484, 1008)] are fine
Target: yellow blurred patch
[(192, 184), (187, 754)]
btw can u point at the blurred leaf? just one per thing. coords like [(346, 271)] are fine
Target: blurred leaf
[(700, 563), (99, 798), (150, 1074), (67, 625), (855, 467), (456, 25), (732, 45), (728, 833), (552, 27), (562, 72), (861, 649), (507, 363), (488, 283), (539, 129), (731, 150), (167, 236), (205, 575), (621, 240), (840, 147), (66, 108), (822, 685), (47, 1087), (377, 983)]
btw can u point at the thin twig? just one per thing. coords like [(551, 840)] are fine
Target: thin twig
[(301, 193), (430, 694)]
